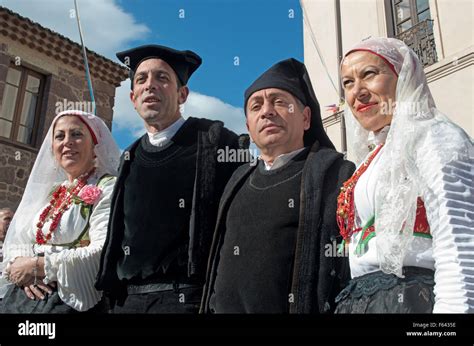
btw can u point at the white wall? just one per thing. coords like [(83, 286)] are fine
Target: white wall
[(453, 95), (321, 19), (456, 21)]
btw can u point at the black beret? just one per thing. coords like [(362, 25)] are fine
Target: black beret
[(183, 62), (291, 75)]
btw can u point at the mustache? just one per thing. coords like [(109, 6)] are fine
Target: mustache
[(268, 123)]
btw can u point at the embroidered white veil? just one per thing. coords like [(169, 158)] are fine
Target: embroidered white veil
[(398, 184), (45, 174)]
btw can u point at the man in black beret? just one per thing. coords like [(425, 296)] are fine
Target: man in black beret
[(165, 200), (277, 220)]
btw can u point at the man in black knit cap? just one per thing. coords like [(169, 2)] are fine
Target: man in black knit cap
[(276, 219), (164, 205)]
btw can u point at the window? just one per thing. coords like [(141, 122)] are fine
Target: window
[(21, 104), (413, 25), (408, 13)]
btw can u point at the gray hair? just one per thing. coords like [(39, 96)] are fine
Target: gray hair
[(300, 104)]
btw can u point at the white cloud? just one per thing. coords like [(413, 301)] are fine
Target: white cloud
[(203, 106), (125, 116), (197, 105), (106, 27)]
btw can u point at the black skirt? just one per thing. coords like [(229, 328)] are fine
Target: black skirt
[(17, 302), (379, 292)]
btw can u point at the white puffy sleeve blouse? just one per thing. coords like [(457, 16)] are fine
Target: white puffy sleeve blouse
[(75, 268), (448, 194)]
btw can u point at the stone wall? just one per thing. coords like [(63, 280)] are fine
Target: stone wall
[(15, 167), (67, 88)]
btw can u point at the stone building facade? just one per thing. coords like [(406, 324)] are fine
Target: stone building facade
[(41, 74)]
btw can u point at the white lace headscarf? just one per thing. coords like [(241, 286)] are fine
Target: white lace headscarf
[(47, 173), (397, 186)]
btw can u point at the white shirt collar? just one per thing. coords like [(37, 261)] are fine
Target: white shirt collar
[(163, 137), (281, 160), (379, 137)]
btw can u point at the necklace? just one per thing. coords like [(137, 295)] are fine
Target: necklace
[(345, 201), (61, 200)]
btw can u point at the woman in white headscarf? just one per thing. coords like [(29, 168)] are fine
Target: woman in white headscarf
[(53, 246), (406, 216)]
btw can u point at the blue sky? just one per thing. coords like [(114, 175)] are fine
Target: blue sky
[(257, 33)]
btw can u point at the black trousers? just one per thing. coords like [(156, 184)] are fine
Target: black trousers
[(178, 301)]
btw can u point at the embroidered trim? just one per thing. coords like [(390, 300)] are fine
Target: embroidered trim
[(369, 284)]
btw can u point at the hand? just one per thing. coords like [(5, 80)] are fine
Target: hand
[(39, 290), (21, 271)]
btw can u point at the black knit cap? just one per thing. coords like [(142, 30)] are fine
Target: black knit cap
[(291, 75), (183, 62)]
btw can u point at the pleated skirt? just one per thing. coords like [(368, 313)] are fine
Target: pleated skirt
[(378, 292)]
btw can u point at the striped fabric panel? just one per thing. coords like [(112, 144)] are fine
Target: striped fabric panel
[(449, 200)]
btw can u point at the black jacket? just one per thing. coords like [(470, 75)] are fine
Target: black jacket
[(210, 179), (317, 277)]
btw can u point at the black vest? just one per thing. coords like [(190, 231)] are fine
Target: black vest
[(158, 196), (256, 258)]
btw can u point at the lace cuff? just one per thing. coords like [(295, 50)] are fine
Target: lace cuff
[(50, 268), (14, 252)]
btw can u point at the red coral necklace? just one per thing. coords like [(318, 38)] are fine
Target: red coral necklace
[(345, 201), (61, 200)]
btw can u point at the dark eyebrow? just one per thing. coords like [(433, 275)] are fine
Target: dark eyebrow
[(72, 129), (371, 66), (272, 95), (163, 72), (255, 98), (159, 71), (345, 76), (140, 74), (364, 69)]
